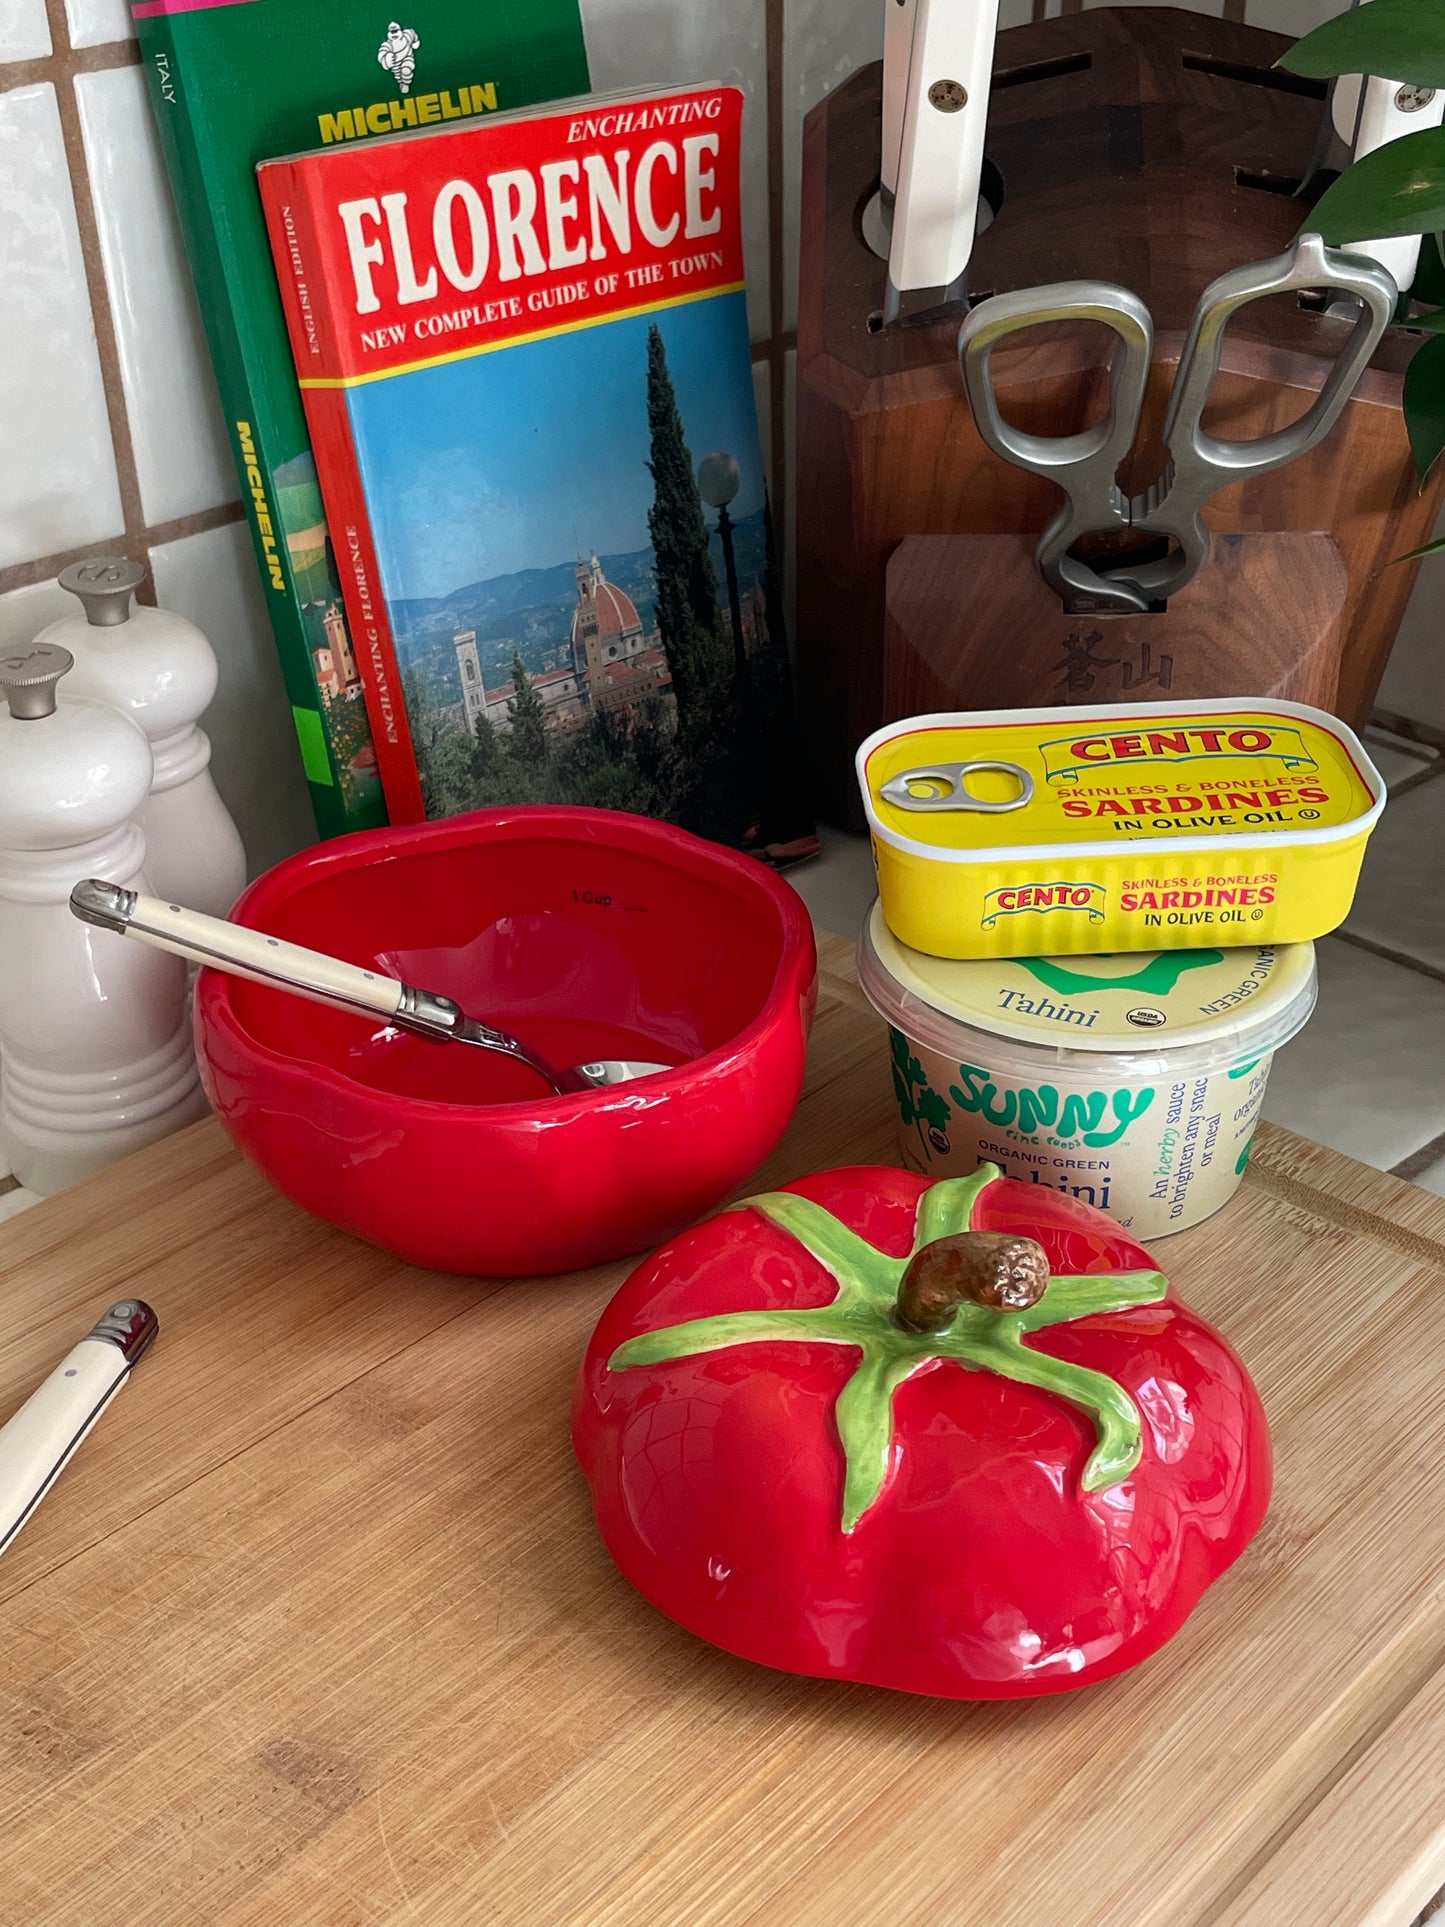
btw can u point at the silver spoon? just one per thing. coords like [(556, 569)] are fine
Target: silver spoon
[(326, 980)]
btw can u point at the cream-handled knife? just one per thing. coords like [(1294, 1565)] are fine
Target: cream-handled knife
[(1388, 109), (37, 1442), (942, 116), (1369, 112)]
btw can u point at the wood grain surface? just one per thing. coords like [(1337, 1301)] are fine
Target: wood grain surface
[(971, 623), (317, 1629), (1143, 145)]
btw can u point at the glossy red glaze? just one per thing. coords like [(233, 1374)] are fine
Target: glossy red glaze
[(982, 1570), (589, 933)]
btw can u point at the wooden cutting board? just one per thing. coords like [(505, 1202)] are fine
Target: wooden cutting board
[(317, 1629)]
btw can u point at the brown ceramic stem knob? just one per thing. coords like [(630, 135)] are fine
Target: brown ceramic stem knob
[(992, 1268)]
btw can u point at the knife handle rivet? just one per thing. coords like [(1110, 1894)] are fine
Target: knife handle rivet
[(948, 96), (1410, 99)]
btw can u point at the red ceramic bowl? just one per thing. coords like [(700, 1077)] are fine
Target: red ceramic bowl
[(590, 934)]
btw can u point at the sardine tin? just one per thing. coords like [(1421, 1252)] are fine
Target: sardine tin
[(1157, 826)]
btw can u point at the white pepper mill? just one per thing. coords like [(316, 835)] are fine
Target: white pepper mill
[(159, 670), (96, 1057)]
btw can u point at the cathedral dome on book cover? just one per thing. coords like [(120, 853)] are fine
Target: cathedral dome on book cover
[(547, 606)]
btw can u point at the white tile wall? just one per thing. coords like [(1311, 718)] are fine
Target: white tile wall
[(826, 40), (94, 22), (24, 31), (1399, 904), (1414, 683), (632, 43), (1363, 1075), (57, 482), (177, 431), (25, 612), (1292, 16), (212, 578)]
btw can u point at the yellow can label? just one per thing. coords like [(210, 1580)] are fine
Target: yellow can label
[(1229, 775), (1153, 826)]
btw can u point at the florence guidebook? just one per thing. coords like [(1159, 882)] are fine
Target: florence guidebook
[(522, 346)]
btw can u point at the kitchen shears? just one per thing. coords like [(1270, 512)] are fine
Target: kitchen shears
[(1084, 465)]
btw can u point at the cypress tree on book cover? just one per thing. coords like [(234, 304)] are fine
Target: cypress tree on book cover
[(524, 354)]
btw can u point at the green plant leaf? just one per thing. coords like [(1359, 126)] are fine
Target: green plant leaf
[(1413, 555), (1429, 282), (1402, 38), (1398, 189), (1424, 399), (1430, 324)]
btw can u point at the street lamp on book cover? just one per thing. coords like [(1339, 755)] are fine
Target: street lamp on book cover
[(718, 479)]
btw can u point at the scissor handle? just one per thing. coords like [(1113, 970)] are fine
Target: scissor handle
[(1084, 465), (1200, 463), (1308, 264)]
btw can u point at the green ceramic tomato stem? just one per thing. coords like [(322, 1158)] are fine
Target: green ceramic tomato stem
[(862, 1314)]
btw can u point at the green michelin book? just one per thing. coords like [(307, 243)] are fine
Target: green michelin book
[(233, 82)]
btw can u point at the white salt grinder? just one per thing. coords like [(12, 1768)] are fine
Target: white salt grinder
[(96, 1057), (159, 670)]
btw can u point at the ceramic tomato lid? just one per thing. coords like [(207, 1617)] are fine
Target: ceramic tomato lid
[(956, 1438)]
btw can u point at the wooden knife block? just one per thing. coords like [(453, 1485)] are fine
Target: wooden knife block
[(1146, 146), (972, 625)]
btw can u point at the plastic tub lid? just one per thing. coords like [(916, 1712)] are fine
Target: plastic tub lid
[(1217, 1006)]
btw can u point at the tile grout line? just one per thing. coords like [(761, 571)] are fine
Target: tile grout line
[(1430, 1153), (1426, 734), (1401, 957), (1415, 780), (25, 575), (136, 536), (69, 60), (62, 68)]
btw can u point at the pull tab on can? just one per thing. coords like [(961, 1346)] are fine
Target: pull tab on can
[(944, 786)]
